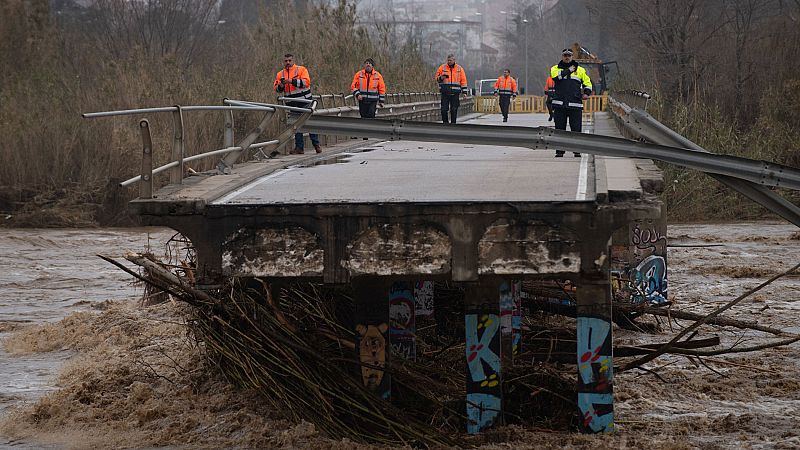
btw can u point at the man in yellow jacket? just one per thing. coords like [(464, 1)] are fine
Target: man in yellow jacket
[(572, 86), (369, 89), (452, 84)]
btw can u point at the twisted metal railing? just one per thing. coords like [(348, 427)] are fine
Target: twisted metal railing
[(407, 105)]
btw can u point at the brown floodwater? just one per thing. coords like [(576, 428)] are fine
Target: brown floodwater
[(47, 274), (748, 400)]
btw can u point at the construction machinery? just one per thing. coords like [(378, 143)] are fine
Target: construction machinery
[(601, 73)]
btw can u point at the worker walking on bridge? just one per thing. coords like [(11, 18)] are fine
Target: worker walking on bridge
[(549, 91), (293, 81), (452, 84), (369, 89), (506, 88), (572, 86)]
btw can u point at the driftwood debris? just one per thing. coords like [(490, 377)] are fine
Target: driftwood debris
[(293, 344), (710, 317)]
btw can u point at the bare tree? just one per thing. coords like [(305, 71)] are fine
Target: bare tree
[(182, 29), (672, 33)]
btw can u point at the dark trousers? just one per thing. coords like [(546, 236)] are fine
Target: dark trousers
[(505, 103), (298, 140), (367, 109), (549, 103), (298, 137), (560, 117), (450, 102)]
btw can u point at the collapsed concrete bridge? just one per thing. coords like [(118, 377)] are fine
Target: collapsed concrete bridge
[(484, 212)]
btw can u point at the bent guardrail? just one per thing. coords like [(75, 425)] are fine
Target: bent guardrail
[(179, 158), (406, 105), (759, 172), (637, 124)]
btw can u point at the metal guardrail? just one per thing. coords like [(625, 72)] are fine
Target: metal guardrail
[(760, 172), (414, 105), (327, 101), (489, 104), (638, 124), (178, 148)]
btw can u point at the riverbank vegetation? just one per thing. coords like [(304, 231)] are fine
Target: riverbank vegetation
[(61, 170), (723, 73)]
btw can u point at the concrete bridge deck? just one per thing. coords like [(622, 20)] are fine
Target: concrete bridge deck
[(455, 191)]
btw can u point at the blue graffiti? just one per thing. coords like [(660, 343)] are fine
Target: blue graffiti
[(592, 336), (506, 307), (592, 420), (650, 281), (477, 349), (482, 411)]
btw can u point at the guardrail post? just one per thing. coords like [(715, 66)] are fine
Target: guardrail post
[(228, 137), (146, 183), (176, 174)]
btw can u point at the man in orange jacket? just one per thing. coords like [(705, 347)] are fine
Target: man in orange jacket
[(452, 83), (506, 88), (369, 89), (294, 81), (549, 91)]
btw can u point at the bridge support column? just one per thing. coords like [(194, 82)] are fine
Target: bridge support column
[(371, 317), (402, 320), (594, 346), (484, 377)]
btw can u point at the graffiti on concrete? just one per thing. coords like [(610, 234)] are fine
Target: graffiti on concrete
[(372, 355), (639, 265), (516, 318), (423, 298), (402, 321), (484, 389), (648, 239), (595, 374), (650, 280), (506, 308), (597, 412)]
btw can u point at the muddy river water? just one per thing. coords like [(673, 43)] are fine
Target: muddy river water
[(48, 274)]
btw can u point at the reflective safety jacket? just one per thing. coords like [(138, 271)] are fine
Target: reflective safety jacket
[(549, 87), (299, 85), (369, 85), (456, 81), (569, 86), (505, 86)]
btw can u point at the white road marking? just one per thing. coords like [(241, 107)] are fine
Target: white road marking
[(583, 175), (249, 186)]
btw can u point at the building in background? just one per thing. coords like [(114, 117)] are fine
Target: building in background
[(469, 29)]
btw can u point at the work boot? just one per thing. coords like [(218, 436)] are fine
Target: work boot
[(559, 153), (297, 151), (550, 118), (505, 119), (317, 148), (577, 155)]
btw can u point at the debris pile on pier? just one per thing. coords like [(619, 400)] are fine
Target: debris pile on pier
[(296, 345)]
